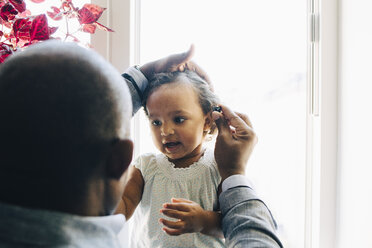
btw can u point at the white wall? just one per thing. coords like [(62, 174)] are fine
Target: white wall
[(355, 124)]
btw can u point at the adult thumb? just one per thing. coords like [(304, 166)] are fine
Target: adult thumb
[(190, 53), (180, 58), (221, 122)]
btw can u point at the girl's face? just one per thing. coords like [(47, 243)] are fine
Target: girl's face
[(177, 122)]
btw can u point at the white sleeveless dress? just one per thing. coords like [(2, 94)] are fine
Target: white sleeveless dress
[(163, 181)]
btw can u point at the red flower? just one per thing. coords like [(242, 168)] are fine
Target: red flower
[(8, 12), (37, 1), (5, 51), (52, 30), (89, 28), (19, 5), (39, 28), (56, 14), (21, 29), (32, 29), (24, 14), (100, 26), (90, 13)]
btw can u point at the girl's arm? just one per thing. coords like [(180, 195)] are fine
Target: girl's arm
[(132, 194), (190, 218), (212, 224)]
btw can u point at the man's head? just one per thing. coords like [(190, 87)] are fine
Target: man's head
[(64, 129)]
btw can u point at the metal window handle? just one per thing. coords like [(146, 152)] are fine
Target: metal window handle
[(314, 63)]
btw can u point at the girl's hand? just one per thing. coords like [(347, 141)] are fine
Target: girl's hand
[(190, 218)]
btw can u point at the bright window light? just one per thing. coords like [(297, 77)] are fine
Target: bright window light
[(255, 53), (73, 24)]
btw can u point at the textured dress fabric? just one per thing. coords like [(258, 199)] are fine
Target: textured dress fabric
[(163, 181)]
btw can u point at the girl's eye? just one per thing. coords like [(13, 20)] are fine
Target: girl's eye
[(179, 119), (156, 123)]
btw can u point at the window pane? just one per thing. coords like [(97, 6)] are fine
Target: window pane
[(255, 54)]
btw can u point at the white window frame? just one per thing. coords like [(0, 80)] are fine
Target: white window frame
[(116, 47), (322, 122), (122, 50)]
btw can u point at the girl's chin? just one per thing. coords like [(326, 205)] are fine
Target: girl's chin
[(173, 157), (184, 159)]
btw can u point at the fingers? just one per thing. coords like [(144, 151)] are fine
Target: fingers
[(221, 123), (173, 213), (173, 232), (173, 228), (177, 208), (178, 61), (179, 200), (181, 206), (172, 224), (245, 119), (234, 124), (192, 66), (234, 119), (190, 53)]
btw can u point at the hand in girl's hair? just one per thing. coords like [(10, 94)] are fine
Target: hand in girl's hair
[(190, 217), (174, 62)]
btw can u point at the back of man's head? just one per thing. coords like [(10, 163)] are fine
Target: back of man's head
[(61, 108)]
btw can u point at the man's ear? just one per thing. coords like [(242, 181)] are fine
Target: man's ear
[(119, 158)]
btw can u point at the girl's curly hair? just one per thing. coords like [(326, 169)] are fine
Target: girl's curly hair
[(207, 98)]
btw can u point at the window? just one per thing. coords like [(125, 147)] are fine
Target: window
[(264, 46), (255, 53)]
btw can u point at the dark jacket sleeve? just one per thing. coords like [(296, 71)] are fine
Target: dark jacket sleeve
[(246, 220), (137, 84)]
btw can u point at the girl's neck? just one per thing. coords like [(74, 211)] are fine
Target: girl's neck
[(188, 160)]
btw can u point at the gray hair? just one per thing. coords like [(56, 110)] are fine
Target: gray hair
[(207, 98), (60, 107)]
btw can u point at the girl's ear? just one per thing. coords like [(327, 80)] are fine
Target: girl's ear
[(208, 123)]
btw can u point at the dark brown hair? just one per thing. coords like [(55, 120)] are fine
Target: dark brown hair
[(207, 98)]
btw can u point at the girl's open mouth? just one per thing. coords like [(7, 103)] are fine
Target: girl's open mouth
[(172, 146)]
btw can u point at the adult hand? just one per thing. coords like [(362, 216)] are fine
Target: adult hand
[(235, 142), (171, 63)]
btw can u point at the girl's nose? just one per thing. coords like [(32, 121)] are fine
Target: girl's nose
[(166, 130)]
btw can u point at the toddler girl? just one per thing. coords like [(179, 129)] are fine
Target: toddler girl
[(179, 107)]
